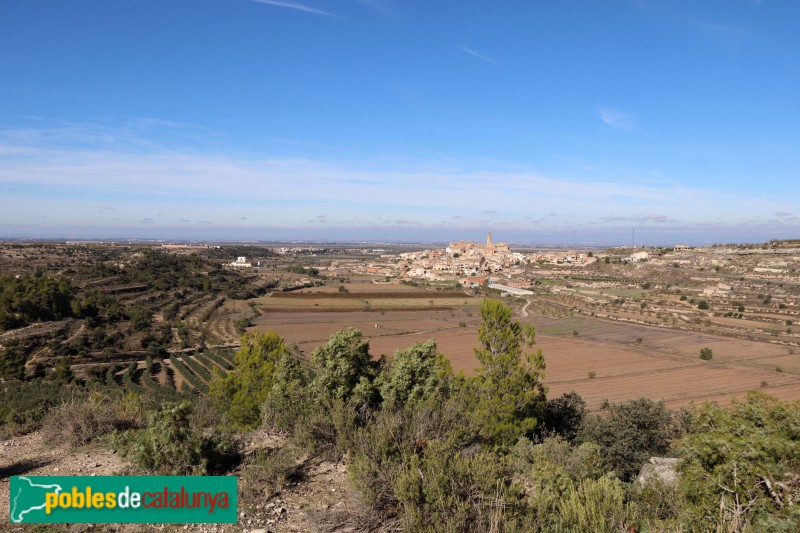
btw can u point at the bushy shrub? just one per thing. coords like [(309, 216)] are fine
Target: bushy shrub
[(288, 399), (595, 505), (737, 454), (243, 391), (345, 369), (419, 462), (706, 354), (444, 489), (171, 445), (548, 472), (329, 431), (379, 450), (242, 324), (655, 504), (564, 416), (555, 457), (629, 434), (63, 371), (414, 374), (140, 317)]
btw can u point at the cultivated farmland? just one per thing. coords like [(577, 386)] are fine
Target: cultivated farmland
[(608, 330), (598, 358)]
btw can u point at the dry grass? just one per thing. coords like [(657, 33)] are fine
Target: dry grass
[(79, 422)]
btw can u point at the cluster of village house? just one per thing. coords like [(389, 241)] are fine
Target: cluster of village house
[(468, 262)]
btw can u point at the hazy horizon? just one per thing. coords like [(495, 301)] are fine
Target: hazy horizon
[(367, 236)]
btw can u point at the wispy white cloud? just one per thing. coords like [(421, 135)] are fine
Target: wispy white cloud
[(617, 119), (192, 188), (640, 218), (296, 6), (482, 57), (46, 134), (384, 6), (721, 29)]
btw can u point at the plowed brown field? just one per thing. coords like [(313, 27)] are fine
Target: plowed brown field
[(663, 366)]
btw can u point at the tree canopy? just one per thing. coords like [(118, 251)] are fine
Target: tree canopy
[(345, 369), (243, 391), (31, 298), (414, 374), (508, 388)]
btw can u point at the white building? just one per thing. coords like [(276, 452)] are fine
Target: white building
[(241, 262)]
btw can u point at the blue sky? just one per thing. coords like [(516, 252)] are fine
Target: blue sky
[(542, 121)]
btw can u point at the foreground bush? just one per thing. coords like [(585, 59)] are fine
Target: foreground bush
[(564, 416), (418, 464), (444, 489), (629, 434), (172, 445), (741, 466), (345, 370), (430, 451), (414, 374), (288, 400), (549, 472), (594, 505), (244, 390)]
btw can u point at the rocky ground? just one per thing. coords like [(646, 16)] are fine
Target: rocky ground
[(317, 499)]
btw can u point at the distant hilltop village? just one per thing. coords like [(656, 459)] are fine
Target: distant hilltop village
[(462, 258), (465, 261)]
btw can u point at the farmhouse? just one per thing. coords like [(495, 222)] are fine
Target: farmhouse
[(241, 262)]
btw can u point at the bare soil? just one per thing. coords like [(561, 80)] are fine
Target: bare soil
[(664, 365), (320, 501)]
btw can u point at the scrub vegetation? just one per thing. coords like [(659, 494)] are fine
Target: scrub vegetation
[(142, 358)]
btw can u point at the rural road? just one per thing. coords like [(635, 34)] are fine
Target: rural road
[(420, 332), (524, 311)]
